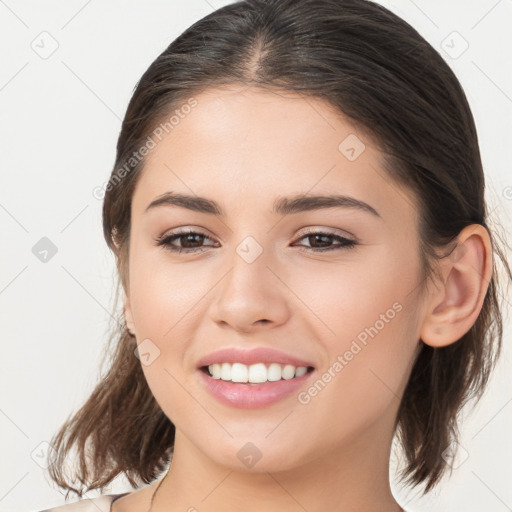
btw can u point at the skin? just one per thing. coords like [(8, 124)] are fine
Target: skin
[(244, 148)]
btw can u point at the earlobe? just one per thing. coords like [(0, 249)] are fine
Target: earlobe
[(128, 315), (454, 307)]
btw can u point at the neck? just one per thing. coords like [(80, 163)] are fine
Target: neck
[(354, 477)]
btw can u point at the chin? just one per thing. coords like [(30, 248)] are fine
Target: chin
[(253, 456)]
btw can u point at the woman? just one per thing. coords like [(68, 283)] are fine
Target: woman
[(298, 218)]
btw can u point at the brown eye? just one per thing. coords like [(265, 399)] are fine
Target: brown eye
[(319, 241), (189, 241)]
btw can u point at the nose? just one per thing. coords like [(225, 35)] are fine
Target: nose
[(250, 296)]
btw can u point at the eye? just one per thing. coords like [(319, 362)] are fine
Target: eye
[(315, 239), (190, 238)]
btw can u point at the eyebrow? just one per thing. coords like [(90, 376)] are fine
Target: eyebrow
[(281, 206)]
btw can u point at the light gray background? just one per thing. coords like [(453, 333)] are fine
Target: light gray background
[(61, 118)]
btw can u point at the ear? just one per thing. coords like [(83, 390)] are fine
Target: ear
[(128, 315), (454, 306)]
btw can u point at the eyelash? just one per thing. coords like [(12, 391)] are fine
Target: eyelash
[(165, 241)]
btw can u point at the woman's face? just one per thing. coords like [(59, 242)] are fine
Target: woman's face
[(258, 279)]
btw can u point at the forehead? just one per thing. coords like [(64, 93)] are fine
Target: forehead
[(246, 146)]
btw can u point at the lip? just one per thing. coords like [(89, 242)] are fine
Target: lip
[(252, 356), (252, 396)]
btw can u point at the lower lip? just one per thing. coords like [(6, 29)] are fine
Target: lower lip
[(252, 396)]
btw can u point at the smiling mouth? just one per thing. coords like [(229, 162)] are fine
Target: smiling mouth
[(206, 371)]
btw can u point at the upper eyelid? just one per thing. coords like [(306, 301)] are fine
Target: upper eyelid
[(328, 231), (308, 229)]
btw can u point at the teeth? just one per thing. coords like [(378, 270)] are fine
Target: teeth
[(255, 373)]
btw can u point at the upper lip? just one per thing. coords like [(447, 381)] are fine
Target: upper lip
[(252, 356)]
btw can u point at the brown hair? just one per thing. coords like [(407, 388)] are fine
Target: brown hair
[(374, 68)]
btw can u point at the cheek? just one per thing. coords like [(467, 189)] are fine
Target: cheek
[(370, 378), (369, 332), (165, 303), (351, 297), (163, 293)]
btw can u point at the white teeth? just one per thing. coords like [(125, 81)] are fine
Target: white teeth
[(300, 371), (225, 372), (274, 372), (255, 373), (239, 373), (288, 372)]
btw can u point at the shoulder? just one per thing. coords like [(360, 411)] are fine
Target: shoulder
[(100, 504)]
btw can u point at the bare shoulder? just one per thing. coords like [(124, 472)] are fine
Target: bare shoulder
[(120, 502), (136, 500), (99, 504)]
